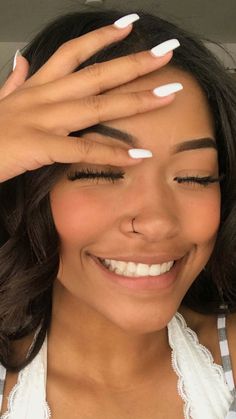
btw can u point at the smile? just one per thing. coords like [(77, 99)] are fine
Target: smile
[(132, 269), (139, 281)]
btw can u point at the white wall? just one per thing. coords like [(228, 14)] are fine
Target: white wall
[(8, 49), (224, 57)]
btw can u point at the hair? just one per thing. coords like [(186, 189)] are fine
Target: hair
[(29, 242)]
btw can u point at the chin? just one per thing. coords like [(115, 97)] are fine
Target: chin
[(142, 323)]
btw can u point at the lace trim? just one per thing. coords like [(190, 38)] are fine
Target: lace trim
[(180, 386), (205, 351), (47, 414)]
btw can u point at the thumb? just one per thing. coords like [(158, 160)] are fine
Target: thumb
[(16, 78)]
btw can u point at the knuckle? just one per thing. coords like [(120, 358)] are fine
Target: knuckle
[(139, 102), (96, 72), (93, 70), (135, 63), (95, 103), (84, 146)]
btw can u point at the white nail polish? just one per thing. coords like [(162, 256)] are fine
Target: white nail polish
[(165, 47), (137, 153), (125, 21), (15, 57), (167, 89)]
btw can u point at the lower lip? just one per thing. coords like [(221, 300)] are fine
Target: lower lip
[(160, 282)]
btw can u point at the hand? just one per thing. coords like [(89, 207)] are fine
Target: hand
[(37, 116)]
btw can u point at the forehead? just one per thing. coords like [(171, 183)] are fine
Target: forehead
[(188, 116), (166, 74)]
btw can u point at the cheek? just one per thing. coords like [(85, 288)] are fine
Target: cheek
[(77, 214), (201, 216)]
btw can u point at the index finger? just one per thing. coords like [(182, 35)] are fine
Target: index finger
[(74, 52)]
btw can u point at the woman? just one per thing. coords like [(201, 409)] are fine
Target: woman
[(117, 274)]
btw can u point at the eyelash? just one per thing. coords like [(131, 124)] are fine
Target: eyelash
[(202, 181), (114, 176), (87, 173)]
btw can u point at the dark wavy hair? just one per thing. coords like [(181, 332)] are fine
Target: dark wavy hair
[(29, 243)]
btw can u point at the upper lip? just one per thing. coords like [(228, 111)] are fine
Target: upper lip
[(148, 260)]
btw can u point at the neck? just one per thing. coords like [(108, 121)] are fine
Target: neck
[(88, 343)]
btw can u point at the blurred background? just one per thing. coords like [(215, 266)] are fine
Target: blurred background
[(20, 20)]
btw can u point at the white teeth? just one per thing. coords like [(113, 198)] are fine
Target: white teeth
[(131, 267), (142, 270), (137, 269), (163, 268), (155, 270), (118, 265)]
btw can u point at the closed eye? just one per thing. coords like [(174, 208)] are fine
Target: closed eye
[(112, 176), (109, 175), (203, 181)]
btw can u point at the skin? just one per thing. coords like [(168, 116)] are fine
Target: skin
[(111, 331)]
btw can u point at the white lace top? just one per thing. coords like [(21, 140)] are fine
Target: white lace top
[(208, 392)]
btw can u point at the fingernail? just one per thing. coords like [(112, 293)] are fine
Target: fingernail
[(125, 21), (137, 153), (15, 58), (167, 46), (167, 89)]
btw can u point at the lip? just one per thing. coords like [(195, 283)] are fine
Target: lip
[(161, 282)]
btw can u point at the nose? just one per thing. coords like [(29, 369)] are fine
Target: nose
[(155, 212)]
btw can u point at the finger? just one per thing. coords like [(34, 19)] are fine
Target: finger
[(98, 78), (17, 77), (66, 117), (59, 149), (74, 52)]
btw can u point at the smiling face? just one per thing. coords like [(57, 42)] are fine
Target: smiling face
[(176, 219)]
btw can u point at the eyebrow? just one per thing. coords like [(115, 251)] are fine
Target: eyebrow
[(133, 141)]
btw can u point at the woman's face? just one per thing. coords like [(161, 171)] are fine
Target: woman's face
[(93, 217)]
